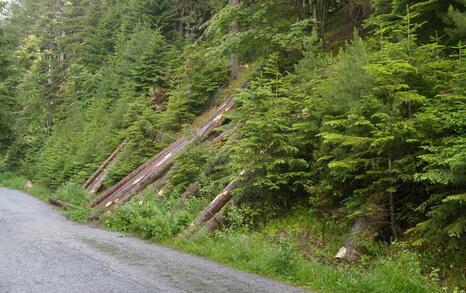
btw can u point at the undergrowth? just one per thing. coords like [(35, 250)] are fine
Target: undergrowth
[(297, 248)]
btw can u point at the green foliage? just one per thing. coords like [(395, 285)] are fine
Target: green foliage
[(158, 219), (264, 148), (399, 271), (378, 122), (77, 199), (188, 167), (196, 82)]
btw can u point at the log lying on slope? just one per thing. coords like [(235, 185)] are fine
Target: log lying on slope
[(190, 191), (361, 233), (224, 135), (130, 176), (215, 206), (94, 183), (58, 203), (156, 167)]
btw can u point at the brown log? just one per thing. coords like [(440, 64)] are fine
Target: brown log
[(216, 222), (224, 135), (104, 166), (159, 184), (190, 191), (361, 233), (131, 175), (58, 203), (215, 206)]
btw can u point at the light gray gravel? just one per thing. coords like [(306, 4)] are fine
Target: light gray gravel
[(41, 251)]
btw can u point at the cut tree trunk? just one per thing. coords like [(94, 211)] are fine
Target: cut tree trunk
[(133, 174), (94, 183), (223, 136), (215, 206), (190, 191), (216, 222), (361, 233), (58, 203)]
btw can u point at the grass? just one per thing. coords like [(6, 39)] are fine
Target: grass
[(291, 248), (283, 259), (288, 249)]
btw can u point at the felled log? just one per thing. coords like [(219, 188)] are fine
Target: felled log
[(28, 185), (223, 136), (58, 203), (216, 222), (361, 233), (95, 181), (190, 191), (131, 175), (215, 206)]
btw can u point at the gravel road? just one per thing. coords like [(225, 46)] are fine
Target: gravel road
[(41, 251)]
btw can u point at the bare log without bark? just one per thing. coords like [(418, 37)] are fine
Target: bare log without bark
[(58, 203), (361, 233), (94, 183)]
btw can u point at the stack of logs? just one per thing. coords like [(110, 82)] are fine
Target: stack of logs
[(157, 166)]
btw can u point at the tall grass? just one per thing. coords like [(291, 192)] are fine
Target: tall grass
[(398, 272)]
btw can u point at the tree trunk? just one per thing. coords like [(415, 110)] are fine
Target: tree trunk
[(190, 191), (300, 9), (215, 206), (95, 181), (362, 232), (224, 135), (58, 203), (216, 222), (234, 63)]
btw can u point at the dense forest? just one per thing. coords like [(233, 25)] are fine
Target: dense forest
[(348, 128)]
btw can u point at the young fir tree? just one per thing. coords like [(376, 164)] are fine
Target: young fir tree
[(264, 148)]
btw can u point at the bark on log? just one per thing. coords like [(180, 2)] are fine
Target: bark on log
[(190, 191), (159, 184), (224, 135), (361, 233), (131, 175), (216, 222), (88, 184), (58, 203), (215, 206)]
